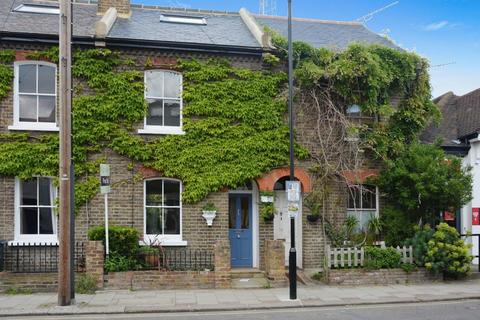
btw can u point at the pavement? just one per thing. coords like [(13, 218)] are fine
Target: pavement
[(168, 301)]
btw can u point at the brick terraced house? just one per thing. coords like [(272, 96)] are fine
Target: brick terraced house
[(155, 38)]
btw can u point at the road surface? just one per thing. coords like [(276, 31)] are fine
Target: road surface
[(457, 310)]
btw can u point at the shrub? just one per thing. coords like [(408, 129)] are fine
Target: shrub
[(448, 253), (339, 234), (408, 267), (147, 250), (396, 226), (122, 240), (116, 262), (15, 290), (318, 276), (267, 211), (85, 284), (423, 181), (378, 258), (419, 242)]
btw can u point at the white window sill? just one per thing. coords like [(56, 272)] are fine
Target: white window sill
[(164, 242), (161, 130), (30, 126)]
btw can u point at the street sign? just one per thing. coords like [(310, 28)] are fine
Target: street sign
[(293, 209), (105, 190), (293, 198), (293, 191), (104, 178)]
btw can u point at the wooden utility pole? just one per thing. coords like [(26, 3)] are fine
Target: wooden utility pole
[(65, 107)]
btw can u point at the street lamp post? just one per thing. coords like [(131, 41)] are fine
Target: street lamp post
[(292, 259)]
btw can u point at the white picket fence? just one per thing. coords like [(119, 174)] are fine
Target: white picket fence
[(351, 257)]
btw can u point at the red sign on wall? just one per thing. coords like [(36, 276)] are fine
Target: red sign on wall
[(448, 216), (475, 216)]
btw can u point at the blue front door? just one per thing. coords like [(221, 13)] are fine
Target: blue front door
[(240, 233)]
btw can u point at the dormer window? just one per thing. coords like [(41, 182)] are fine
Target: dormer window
[(174, 18), (37, 8)]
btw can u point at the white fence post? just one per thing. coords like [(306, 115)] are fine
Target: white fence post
[(342, 257)]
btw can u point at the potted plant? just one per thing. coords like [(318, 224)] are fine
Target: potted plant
[(313, 217), (149, 255), (209, 213), (267, 211), (313, 202), (267, 196)]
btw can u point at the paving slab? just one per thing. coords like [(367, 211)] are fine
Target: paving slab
[(125, 301)]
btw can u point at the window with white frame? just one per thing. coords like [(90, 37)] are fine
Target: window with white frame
[(35, 96), (362, 204), (163, 211), (163, 92), (35, 219)]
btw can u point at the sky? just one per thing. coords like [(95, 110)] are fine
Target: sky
[(446, 32)]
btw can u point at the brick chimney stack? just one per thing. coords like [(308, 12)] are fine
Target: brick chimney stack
[(122, 6)]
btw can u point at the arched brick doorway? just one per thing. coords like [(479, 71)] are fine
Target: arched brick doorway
[(275, 181), (267, 181)]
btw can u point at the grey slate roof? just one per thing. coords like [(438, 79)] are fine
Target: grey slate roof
[(84, 15), (336, 35), (221, 29), (460, 118)]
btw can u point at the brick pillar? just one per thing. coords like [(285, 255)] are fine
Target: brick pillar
[(94, 261), (222, 264), (275, 260)]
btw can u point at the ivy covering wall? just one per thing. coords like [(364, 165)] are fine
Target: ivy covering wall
[(233, 122), (234, 119), (370, 76)]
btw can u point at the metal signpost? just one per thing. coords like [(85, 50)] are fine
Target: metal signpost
[(292, 258), (105, 189)]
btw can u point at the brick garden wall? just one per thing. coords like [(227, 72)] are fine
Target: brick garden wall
[(160, 280), (34, 282), (355, 277), (165, 279)]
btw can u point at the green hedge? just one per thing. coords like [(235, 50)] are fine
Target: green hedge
[(382, 258), (122, 240)]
